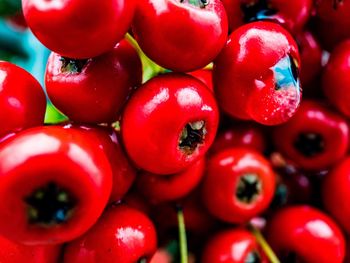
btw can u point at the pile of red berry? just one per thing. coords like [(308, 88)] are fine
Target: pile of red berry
[(214, 139)]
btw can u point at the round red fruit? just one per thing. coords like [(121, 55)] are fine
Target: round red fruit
[(169, 123)]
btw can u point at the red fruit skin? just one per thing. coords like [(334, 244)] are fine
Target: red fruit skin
[(180, 36), (122, 234), (332, 21), (240, 136), (17, 253), (221, 180), (205, 75), (335, 191), (159, 189), (314, 117), (245, 80), (67, 27), (21, 96), (336, 78), (155, 116), (292, 15), (230, 246), (124, 173), (311, 58), (42, 155), (309, 233), (100, 90), (235, 16)]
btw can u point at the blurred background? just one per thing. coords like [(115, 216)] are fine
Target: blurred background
[(19, 46)]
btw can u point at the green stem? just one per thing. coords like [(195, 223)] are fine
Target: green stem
[(264, 245), (150, 68), (182, 236)]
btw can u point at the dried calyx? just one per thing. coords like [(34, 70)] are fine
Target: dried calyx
[(192, 136), (72, 65), (198, 3), (49, 205), (248, 188)]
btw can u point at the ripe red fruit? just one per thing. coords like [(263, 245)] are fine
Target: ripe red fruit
[(336, 188), (79, 28), (245, 135), (181, 35), (232, 246), (305, 234), (256, 74), (315, 138), (11, 252), (336, 78), (22, 100), (94, 90), (122, 234), (123, 172), (292, 15), (239, 184), (311, 59), (54, 184), (169, 123), (332, 22), (159, 189)]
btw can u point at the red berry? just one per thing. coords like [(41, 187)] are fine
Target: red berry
[(181, 35), (54, 184), (170, 187), (256, 74), (336, 78), (305, 234), (122, 235), (335, 194), (22, 100), (239, 184), (232, 246), (79, 28), (315, 138), (94, 90), (169, 123)]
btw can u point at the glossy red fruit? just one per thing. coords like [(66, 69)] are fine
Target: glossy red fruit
[(79, 28), (305, 234), (123, 235), (54, 184), (336, 78), (22, 100), (335, 191), (311, 58), (232, 246), (292, 15), (159, 189), (205, 75), (123, 172), (94, 90), (332, 21), (239, 184), (245, 135), (315, 138), (181, 35), (256, 74), (169, 123), (11, 252)]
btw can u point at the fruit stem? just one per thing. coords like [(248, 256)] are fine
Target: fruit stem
[(264, 245), (149, 68), (182, 236)]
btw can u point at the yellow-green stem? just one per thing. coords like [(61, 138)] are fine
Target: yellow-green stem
[(182, 236), (264, 245)]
